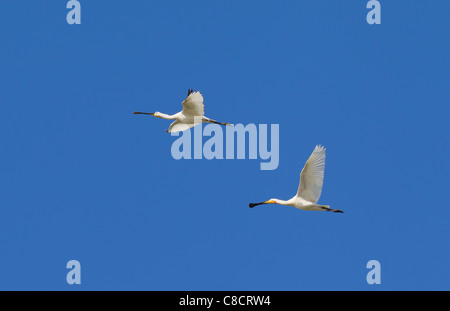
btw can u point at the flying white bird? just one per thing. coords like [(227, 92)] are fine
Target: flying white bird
[(191, 115), (310, 188)]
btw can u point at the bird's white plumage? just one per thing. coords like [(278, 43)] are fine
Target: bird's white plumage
[(193, 105), (179, 126), (310, 188), (191, 115), (311, 177)]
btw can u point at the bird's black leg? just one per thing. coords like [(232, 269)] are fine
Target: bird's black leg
[(217, 122)]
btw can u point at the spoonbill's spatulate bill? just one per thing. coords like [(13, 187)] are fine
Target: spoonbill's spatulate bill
[(310, 188), (191, 115)]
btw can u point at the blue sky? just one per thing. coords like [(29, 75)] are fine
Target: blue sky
[(83, 178)]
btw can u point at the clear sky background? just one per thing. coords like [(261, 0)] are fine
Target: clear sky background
[(83, 178)]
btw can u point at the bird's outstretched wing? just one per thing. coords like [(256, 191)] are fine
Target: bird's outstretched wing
[(311, 177), (178, 126), (193, 104)]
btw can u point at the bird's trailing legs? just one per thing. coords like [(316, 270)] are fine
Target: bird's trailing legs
[(208, 120), (332, 210)]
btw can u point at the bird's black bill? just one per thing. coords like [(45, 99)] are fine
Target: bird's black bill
[(148, 113), (252, 205)]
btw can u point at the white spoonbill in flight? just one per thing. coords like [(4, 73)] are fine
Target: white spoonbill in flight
[(191, 115), (310, 188)]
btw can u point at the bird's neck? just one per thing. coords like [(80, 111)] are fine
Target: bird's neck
[(282, 202), (167, 116)]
